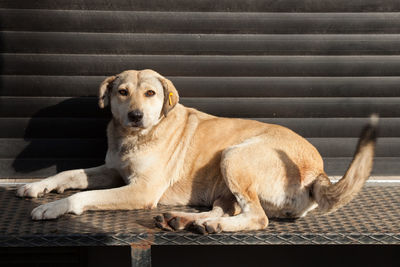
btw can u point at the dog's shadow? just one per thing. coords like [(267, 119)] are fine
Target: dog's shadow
[(63, 135)]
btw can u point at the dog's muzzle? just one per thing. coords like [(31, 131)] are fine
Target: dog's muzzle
[(135, 116)]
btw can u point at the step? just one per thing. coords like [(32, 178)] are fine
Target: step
[(246, 107), (39, 127), (64, 86), (192, 65), (212, 5), (198, 22), (199, 44)]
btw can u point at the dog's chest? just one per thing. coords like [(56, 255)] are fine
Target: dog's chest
[(133, 161)]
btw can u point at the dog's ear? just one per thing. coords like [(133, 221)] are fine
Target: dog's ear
[(104, 91), (171, 97)]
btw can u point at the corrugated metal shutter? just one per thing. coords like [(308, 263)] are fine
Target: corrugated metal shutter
[(319, 67)]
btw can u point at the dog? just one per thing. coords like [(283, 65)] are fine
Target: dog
[(165, 153)]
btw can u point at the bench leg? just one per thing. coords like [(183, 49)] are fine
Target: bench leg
[(140, 255)]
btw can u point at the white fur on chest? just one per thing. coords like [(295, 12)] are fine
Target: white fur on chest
[(132, 161), (152, 157)]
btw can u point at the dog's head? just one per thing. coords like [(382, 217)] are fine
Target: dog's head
[(138, 99)]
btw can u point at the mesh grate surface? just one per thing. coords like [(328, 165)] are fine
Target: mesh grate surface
[(372, 218)]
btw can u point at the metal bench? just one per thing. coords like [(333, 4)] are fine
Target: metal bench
[(372, 218)]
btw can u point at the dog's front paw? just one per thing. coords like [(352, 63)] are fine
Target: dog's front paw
[(36, 189), (54, 210)]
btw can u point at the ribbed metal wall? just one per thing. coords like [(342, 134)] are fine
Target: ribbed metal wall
[(319, 67)]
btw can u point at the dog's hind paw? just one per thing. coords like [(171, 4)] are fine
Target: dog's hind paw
[(170, 222), (206, 227), (161, 223), (198, 229)]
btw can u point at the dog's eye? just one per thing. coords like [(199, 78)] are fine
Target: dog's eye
[(123, 92), (150, 93)]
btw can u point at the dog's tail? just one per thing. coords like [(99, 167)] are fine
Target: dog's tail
[(331, 197)]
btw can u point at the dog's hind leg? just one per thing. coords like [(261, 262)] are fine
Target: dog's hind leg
[(92, 178), (252, 218), (224, 206), (242, 167)]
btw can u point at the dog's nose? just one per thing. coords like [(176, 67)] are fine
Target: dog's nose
[(135, 116)]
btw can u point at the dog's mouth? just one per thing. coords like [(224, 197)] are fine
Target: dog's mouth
[(135, 125)]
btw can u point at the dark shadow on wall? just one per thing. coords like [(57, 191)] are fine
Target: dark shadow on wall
[(66, 135)]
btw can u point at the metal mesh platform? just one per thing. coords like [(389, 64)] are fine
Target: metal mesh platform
[(372, 218)]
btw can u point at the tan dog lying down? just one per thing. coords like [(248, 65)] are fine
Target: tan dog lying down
[(169, 154)]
